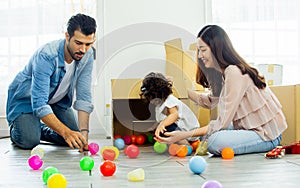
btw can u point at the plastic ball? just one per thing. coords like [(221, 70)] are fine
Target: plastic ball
[(119, 143), (227, 153), (160, 147), (136, 175), (116, 151), (86, 163), (37, 151), (197, 164), (117, 136), (125, 150), (195, 144), (140, 139), (173, 149), (111, 147), (108, 168), (212, 184), (132, 151), (127, 139), (93, 148), (133, 139), (109, 154), (57, 181), (35, 162), (48, 172), (182, 151), (190, 149), (150, 138)]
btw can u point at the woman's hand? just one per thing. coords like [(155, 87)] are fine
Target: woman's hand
[(171, 137)]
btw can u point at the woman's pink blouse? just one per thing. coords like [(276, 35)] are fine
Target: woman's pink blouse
[(245, 105)]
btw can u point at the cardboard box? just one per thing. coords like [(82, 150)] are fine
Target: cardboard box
[(182, 65), (272, 73), (289, 97), (131, 115)]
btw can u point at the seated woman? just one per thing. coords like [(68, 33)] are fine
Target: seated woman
[(250, 118)]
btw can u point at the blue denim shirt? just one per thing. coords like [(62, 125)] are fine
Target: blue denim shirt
[(34, 86)]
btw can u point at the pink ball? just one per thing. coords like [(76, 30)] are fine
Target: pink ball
[(93, 148), (132, 151), (35, 162), (127, 139)]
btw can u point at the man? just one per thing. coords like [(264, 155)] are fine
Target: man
[(40, 97)]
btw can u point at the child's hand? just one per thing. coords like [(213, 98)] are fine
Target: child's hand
[(160, 130)]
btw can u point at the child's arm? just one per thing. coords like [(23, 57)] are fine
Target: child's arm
[(172, 116)]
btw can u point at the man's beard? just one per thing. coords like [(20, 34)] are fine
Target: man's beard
[(73, 55)]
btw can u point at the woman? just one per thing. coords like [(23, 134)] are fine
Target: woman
[(250, 118)]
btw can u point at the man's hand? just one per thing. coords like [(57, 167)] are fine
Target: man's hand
[(75, 139), (85, 134)]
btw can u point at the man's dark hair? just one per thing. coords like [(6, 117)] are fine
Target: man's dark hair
[(83, 23)]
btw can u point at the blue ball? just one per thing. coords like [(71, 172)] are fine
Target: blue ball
[(197, 164), (119, 143), (190, 149), (212, 184)]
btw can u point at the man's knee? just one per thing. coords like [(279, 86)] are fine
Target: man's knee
[(26, 143)]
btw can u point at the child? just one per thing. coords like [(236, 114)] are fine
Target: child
[(171, 113)]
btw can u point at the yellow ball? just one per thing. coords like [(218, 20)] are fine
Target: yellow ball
[(111, 147), (57, 181)]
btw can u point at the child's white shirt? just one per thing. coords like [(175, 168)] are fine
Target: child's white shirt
[(186, 121)]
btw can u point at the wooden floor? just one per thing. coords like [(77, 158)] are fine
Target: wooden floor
[(161, 170)]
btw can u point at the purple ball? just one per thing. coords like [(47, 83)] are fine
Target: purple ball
[(127, 139), (212, 184), (35, 162)]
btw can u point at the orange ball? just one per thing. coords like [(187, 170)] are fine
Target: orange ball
[(182, 151), (133, 139), (173, 149), (140, 139), (227, 153), (195, 144)]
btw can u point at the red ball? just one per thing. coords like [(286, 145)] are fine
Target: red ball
[(125, 150), (132, 151), (127, 139), (117, 136), (133, 139), (108, 168), (140, 139)]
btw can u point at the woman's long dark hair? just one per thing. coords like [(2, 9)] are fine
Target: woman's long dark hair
[(221, 47)]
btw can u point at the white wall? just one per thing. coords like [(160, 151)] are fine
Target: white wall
[(131, 43)]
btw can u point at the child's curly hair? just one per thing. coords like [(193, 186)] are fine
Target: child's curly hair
[(156, 85)]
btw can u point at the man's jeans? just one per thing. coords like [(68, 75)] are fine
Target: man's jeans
[(27, 130)]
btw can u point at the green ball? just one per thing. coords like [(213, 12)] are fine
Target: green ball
[(150, 138), (160, 147), (86, 163), (48, 172)]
